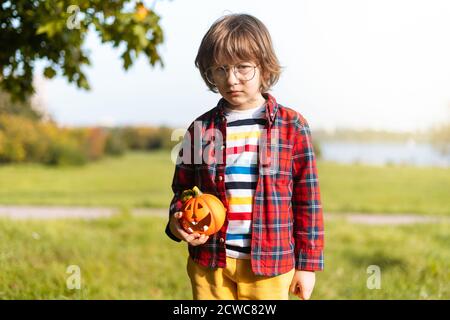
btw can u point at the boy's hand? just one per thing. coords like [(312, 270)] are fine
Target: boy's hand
[(194, 239), (302, 284)]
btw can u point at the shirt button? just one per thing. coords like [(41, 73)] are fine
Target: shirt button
[(220, 178), (222, 240)]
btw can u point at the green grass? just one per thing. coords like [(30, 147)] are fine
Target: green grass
[(129, 257), (135, 180), (144, 180), (391, 189)]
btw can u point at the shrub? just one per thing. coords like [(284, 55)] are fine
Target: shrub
[(147, 138), (65, 154), (21, 137), (27, 140), (93, 142), (115, 143)]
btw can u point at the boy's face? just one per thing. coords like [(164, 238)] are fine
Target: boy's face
[(239, 84)]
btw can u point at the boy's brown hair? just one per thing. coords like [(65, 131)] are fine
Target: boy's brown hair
[(239, 37)]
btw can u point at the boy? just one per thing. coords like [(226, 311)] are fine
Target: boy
[(257, 157)]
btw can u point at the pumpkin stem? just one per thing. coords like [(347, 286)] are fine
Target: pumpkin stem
[(186, 195), (196, 191), (189, 193)]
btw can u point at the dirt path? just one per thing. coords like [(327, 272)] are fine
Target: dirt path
[(59, 212)]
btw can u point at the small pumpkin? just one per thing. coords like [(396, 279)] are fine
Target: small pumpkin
[(203, 213)]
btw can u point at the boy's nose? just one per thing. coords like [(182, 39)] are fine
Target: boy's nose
[(231, 77)]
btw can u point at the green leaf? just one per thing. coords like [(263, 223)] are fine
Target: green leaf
[(83, 83), (50, 28), (127, 62), (139, 31)]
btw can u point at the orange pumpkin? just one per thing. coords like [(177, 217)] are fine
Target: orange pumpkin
[(202, 212)]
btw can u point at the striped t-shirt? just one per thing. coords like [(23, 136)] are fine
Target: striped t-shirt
[(244, 129)]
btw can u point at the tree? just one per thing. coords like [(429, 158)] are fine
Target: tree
[(19, 108), (54, 31)]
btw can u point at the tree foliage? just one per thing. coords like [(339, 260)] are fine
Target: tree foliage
[(24, 108), (54, 31)]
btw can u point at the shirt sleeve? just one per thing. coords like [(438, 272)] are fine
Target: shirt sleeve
[(183, 177), (306, 203)]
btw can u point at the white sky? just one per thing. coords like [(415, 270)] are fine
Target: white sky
[(380, 64)]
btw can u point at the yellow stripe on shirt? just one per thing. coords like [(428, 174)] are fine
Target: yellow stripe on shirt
[(243, 135), (240, 200)]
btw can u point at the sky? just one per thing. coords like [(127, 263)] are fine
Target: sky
[(378, 64)]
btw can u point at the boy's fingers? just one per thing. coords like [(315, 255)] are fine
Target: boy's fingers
[(292, 287), (306, 295), (178, 214), (191, 237), (183, 233), (201, 239), (296, 290), (303, 293)]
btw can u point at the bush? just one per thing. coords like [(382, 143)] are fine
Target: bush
[(2, 142), (27, 140), (115, 143), (21, 139), (92, 141), (138, 138), (64, 154), (147, 138), (165, 134)]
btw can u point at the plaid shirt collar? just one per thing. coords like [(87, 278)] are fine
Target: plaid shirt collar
[(271, 108)]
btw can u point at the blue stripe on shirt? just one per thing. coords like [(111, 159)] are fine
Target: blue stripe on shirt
[(231, 236), (241, 170)]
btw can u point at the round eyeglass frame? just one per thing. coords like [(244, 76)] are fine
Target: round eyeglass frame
[(234, 71)]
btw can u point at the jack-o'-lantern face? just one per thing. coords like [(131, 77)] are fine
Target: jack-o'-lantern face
[(202, 213), (198, 216)]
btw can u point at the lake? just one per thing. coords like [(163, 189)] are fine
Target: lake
[(383, 153)]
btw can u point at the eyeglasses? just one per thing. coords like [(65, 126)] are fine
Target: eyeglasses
[(243, 72)]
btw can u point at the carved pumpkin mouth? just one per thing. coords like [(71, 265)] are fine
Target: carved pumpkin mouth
[(201, 225)]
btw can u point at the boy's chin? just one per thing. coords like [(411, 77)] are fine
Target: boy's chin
[(236, 101)]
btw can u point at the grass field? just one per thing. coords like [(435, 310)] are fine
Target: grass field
[(129, 257), (144, 179)]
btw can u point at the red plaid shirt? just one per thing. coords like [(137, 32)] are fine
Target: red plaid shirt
[(287, 220)]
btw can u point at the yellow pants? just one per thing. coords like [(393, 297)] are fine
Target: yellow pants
[(236, 281)]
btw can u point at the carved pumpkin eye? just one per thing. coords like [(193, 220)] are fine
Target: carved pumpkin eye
[(199, 206)]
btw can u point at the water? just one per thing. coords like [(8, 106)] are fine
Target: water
[(383, 153)]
